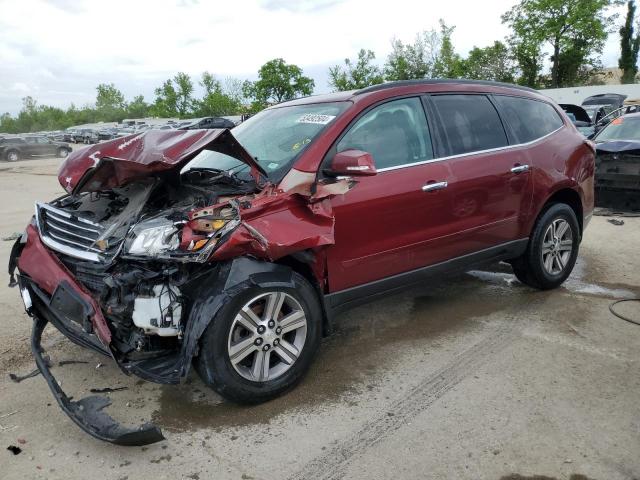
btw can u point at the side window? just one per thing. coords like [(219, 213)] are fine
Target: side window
[(470, 123), (394, 133), (528, 119), (42, 140), (30, 140)]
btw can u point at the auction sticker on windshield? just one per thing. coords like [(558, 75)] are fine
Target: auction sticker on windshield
[(315, 118)]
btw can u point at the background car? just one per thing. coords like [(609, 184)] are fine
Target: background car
[(617, 180), (15, 148), (208, 122)]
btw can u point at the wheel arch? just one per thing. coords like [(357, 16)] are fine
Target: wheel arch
[(300, 263), (569, 197)]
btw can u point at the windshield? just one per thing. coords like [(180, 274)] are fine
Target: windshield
[(274, 137), (622, 128)]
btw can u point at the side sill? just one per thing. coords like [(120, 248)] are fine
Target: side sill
[(354, 296)]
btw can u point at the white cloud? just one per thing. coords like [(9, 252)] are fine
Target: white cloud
[(58, 46)]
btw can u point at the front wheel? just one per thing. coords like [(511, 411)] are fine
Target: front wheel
[(552, 250), (13, 156), (63, 152), (262, 342)]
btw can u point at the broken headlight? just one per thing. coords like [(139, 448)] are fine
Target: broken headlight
[(153, 237)]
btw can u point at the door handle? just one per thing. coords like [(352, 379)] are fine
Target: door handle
[(520, 169), (432, 187)]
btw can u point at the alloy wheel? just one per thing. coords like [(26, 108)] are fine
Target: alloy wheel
[(13, 156), (557, 246), (267, 336)]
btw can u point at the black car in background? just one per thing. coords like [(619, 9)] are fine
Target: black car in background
[(14, 148), (617, 179), (208, 123)]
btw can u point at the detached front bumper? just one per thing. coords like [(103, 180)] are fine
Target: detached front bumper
[(52, 295)]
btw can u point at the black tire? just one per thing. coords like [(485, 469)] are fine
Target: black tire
[(63, 152), (12, 156), (214, 364), (530, 268)]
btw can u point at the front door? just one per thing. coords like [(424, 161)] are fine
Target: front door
[(395, 221)]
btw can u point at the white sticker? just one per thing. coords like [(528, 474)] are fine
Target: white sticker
[(272, 166), (316, 118)]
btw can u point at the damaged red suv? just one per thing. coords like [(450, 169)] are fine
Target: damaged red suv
[(234, 250)]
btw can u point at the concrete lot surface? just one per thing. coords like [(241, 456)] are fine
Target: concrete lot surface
[(477, 377)]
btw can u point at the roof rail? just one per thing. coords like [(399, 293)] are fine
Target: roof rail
[(437, 81)]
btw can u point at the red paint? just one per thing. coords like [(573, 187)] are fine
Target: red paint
[(45, 269), (137, 156)]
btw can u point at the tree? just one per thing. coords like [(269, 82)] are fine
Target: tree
[(574, 29), (166, 103), (412, 61), (490, 63), (217, 100), (448, 63), (184, 93), (360, 75), (138, 108), (629, 46), (109, 97), (277, 82)]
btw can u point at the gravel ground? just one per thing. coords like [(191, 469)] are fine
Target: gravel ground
[(477, 377)]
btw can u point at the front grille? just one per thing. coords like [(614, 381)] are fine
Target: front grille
[(72, 235)]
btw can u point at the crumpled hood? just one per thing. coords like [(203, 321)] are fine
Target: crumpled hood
[(117, 162), (618, 146)]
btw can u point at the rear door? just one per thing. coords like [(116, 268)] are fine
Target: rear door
[(30, 146), (395, 221), (491, 187)]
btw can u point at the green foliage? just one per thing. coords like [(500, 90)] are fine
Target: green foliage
[(448, 64), (354, 76), (412, 61), (174, 98), (218, 100), (138, 108), (629, 46), (277, 82), (574, 29), (490, 63)]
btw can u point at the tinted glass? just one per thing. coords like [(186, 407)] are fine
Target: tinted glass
[(529, 119), (30, 140), (470, 123), (274, 137), (42, 140), (623, 128), (394, 133)]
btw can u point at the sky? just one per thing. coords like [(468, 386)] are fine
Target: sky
[(58, 51)]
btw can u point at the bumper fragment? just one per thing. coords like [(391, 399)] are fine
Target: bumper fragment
[(88, 412)]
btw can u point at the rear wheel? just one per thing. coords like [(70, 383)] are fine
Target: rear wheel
[(12, 156), (63, 152), (552, 250), (262, 342)]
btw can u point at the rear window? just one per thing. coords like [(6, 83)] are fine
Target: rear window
[(470, 123), (529, 119)]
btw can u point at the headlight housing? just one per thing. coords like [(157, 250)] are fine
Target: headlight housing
[(153, 237)]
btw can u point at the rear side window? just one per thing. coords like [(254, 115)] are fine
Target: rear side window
[(470, 122), (528, 119)]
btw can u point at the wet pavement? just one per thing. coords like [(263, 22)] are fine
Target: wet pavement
[(475, 377)]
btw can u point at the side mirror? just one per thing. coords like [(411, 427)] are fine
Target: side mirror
[(353, 163)]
